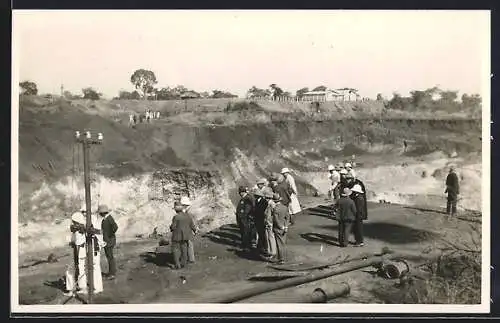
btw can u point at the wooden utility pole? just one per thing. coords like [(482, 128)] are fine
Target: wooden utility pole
[(86, 140)]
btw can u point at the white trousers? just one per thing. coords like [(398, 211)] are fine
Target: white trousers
[(81, 280)]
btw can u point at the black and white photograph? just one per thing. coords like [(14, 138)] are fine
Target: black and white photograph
[(213, 161)]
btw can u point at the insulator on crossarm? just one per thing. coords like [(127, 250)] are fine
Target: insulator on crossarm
[(77, 134), (100, 137), (88, 135)]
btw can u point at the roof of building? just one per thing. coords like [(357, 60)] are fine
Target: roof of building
[(320, 92)]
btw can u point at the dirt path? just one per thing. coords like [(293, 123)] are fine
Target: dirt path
[(221, 268)]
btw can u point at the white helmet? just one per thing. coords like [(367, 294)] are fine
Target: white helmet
[(83, 208), (285, 170), (348, 165), (331, 167), (357, 188), (185, 201), (78, 218)]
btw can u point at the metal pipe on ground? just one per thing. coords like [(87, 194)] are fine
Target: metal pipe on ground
[(313, 276), (329, 292), (308, 294)]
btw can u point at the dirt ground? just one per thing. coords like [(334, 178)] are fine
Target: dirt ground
[(221, 268)]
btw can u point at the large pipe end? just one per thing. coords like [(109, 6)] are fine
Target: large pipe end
[(324, 294)]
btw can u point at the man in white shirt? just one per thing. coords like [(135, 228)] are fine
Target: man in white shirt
[(334, 177), (79, 245)]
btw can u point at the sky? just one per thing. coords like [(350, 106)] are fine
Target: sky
[(373, 51)]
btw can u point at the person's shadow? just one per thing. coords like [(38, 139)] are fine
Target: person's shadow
[(318, 237), (161, 259)]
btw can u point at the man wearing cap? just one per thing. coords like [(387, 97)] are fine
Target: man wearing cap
[(359, 200), (183, 229), (453, 190), (280, 216), (334, 177), (294, 205), (109, 228), (244, 217), (346, 216)]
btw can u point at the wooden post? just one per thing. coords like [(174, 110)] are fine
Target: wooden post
[(86, 140)]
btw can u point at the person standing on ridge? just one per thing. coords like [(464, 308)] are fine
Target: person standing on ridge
[(453, 190)]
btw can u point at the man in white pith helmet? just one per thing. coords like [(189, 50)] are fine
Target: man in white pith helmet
[(79, 245), (334, 177)]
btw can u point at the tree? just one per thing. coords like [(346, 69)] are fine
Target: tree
[(396, 101), (70, 96), (300, 93), (320, 88), (449, 96), (380, 97), (217, 94), (125, 95), (276, 91), (91, 94), (205, 94), (29, 87), (256, 92), (471, 101), (144, 81), (166, 94)]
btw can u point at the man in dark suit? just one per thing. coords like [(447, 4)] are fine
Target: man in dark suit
[(346, 216), (259, 217), (453, 189), (359, 200), (183, 229), (109, 228), (281, 219), (244, 217)]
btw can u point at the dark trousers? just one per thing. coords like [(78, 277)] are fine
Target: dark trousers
[(180, 253), (261, 232), (280, 245), (357, 229), (451, 204), (345, 229), (246, 233), (108, 251)]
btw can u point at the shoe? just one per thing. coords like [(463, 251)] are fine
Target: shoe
[(280, 262), (82, 291), (69, 293), (359, 244), (110, 277)]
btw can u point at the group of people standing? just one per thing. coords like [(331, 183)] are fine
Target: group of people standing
[(103, 236), (147, 116), (264, 214), (349, 202)]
